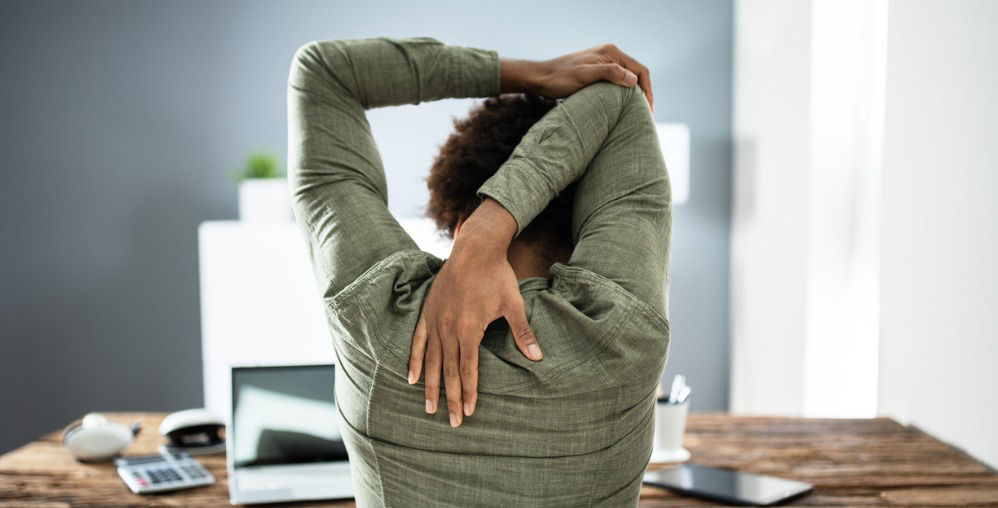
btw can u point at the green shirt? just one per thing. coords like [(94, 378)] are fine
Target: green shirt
[(572, 430)]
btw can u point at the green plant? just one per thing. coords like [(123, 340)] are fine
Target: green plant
[(259, 165)]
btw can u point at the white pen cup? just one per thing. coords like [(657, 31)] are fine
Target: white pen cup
[(670, 425)]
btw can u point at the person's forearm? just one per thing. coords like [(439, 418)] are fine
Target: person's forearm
[(555, 151), (383, 71), (518, 76), (488, 230)]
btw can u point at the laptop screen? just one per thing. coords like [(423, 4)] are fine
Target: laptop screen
[(284, 415)]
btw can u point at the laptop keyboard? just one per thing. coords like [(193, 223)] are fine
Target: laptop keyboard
[(289, 477)]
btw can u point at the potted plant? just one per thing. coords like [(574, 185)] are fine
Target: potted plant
[(263, 192)]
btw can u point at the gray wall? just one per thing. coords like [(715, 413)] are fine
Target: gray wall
[(122, 120)]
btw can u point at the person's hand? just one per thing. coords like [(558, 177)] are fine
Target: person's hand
[(475, 287), (563, 76)]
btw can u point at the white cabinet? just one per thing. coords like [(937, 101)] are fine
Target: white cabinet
[(259, 301)]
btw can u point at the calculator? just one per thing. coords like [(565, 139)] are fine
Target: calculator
[(160, 473)]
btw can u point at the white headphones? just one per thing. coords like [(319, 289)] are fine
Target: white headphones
[(95, 438)]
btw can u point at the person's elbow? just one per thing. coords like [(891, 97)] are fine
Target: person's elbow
[(304, 65), (320, 68)]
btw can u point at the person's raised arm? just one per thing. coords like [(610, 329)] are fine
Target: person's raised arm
[(338, 187), (604, 138)]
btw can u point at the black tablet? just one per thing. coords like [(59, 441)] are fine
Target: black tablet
[(726, 485)]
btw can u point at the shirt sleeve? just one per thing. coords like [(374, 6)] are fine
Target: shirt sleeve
[(603, 138), (337, 182)]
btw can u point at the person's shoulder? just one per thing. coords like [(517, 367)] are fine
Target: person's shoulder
[(632, 337), (377, 312), (584, 287), (396, 273)]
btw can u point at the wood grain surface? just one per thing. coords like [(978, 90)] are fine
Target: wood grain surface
[(851, 463)]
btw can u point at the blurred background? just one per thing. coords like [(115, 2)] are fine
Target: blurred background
[(834, 255)]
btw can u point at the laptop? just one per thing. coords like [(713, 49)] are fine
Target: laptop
[(283, 440)]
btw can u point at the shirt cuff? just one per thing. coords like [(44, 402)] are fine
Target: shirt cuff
[(481, 71), (520, 189)]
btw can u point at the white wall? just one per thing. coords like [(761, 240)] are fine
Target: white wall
[(939, 281)]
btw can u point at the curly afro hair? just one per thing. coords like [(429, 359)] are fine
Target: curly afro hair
[(473, 153)]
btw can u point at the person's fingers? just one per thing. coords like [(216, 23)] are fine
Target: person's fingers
[(452, 379), (417, 350), (615, 72), (644, 75), (644, 81), (431, 372), (522, 333), (611, 72), (469, 373)]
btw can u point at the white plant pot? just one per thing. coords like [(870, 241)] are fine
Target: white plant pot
[(264, 199)]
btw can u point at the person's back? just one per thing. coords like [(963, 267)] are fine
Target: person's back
[(574, 429)]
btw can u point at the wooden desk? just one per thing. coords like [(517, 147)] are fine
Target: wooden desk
[(850, 462)]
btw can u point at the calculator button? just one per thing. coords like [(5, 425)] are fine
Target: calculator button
[(157, 474)]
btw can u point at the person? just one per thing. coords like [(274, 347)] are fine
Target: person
[(549, 365)]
